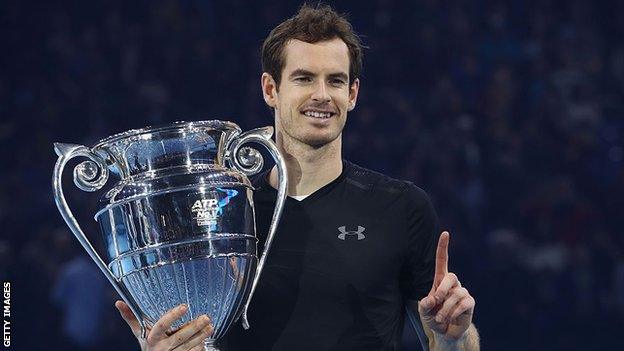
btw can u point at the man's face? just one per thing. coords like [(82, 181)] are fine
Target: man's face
[(314, 94)]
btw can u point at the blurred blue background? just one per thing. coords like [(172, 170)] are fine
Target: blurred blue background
[(509, 113)]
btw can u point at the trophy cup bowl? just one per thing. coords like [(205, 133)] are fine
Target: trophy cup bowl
[(179, 225)]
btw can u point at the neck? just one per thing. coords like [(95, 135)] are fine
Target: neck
[(309, 168)]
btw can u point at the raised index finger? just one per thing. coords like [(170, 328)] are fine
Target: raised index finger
[(441, 265)]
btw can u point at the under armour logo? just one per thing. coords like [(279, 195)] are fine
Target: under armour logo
[(359, 232)]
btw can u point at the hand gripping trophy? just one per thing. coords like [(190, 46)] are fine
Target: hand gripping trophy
[(179, 225)]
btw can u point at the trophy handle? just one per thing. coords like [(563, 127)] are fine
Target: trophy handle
[(250, 161), (89, 176)]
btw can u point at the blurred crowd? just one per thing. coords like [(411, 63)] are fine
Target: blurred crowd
[(510, 114)]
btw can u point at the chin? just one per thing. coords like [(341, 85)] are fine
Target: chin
[(318, 141)]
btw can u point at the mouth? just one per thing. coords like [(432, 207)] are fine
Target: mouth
[(319, 114)]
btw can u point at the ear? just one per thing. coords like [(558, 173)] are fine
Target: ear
[(269, 90), (353, 93)]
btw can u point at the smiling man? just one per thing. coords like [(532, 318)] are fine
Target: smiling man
[(354, 247)]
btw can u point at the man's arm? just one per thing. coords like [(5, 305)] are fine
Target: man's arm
[(446, 312), (468, 342)]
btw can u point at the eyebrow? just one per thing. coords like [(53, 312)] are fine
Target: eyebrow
[(300, 72), (303, 72)]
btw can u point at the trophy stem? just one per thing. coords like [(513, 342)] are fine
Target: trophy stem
[(209, 345)]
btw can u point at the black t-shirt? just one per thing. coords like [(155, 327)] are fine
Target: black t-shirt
[(342, 264)]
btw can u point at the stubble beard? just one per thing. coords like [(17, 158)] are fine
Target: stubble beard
[(312, 141)]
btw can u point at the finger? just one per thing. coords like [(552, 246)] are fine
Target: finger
[(196, 340), (455, 295), (128, 316), (449, 282), (464, 308), (164, 323), (441, 265), (186, 333)]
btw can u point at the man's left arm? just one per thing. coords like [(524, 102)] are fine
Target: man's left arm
[(446, 312)]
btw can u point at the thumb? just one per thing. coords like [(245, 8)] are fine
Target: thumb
[(426, 306), (129, 317)]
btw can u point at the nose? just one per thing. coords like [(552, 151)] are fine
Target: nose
[(320, 93)]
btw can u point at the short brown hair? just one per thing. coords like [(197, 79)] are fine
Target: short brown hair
[(311, 24)]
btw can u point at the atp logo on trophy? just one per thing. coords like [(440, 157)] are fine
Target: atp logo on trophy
[(205, 211)]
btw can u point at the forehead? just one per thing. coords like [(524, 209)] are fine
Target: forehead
[(330, 55)]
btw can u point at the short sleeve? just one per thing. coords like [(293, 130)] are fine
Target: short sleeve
[(422, 231)]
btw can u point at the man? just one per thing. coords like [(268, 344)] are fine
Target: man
[(354, 247)]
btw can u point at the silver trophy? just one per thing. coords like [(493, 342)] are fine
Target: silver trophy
[(179, 224)]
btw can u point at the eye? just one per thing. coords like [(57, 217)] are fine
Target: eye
[(337, 82), (303, 79)]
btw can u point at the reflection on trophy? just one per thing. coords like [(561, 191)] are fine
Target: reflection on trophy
[(179, 224)]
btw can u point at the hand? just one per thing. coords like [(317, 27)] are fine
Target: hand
[(188, 338), (448, 308)]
